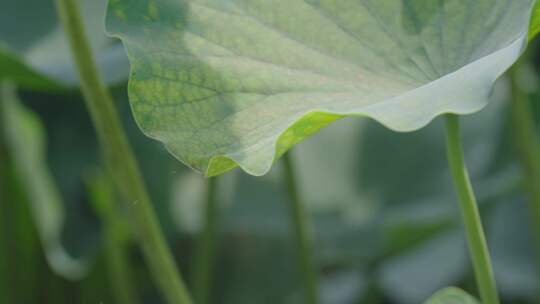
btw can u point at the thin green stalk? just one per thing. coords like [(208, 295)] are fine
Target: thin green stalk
[(120, 159), (117, 259), (6, 290), (301, 226), (528, 147), (372, 294), (206, 247), (471, 216), (116, 235)]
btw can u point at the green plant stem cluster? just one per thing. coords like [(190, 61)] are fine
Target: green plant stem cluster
[(127, 177), (120, 159)]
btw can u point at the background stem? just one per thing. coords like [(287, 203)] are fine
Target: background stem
[(471, 216), (120, 159), (117, 240), (528, 148), (301, 226), (206, 247)]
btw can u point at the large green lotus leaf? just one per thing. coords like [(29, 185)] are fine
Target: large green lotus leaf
[(238, 82), (36, 55)]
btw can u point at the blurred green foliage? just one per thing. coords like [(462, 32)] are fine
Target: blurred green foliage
[(387, 229)]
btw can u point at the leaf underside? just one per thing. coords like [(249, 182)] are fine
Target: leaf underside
[(238, 82)]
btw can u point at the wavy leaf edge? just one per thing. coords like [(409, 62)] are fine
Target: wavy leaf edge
[(221, 163)]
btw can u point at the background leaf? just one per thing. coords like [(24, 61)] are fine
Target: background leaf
[(25, 139), (451, 295), (34, 52)]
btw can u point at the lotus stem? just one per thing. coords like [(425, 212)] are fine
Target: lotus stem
[(528, 147), (206, 247), (471, 216), (116, 238), (120, 159), (301, 226)]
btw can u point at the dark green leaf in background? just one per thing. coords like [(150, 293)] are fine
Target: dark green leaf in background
[(34, 52), (451, 295), (25, 139)]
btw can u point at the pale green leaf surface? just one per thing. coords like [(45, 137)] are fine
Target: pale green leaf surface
[(239, 82), (25, 140), (451, 295)]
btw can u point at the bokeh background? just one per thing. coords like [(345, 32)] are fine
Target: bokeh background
[(386, 224)]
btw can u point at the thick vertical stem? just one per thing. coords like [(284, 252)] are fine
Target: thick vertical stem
[(120, 159), (528, 147), (301, 226), (471, 216), (206, 247)]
